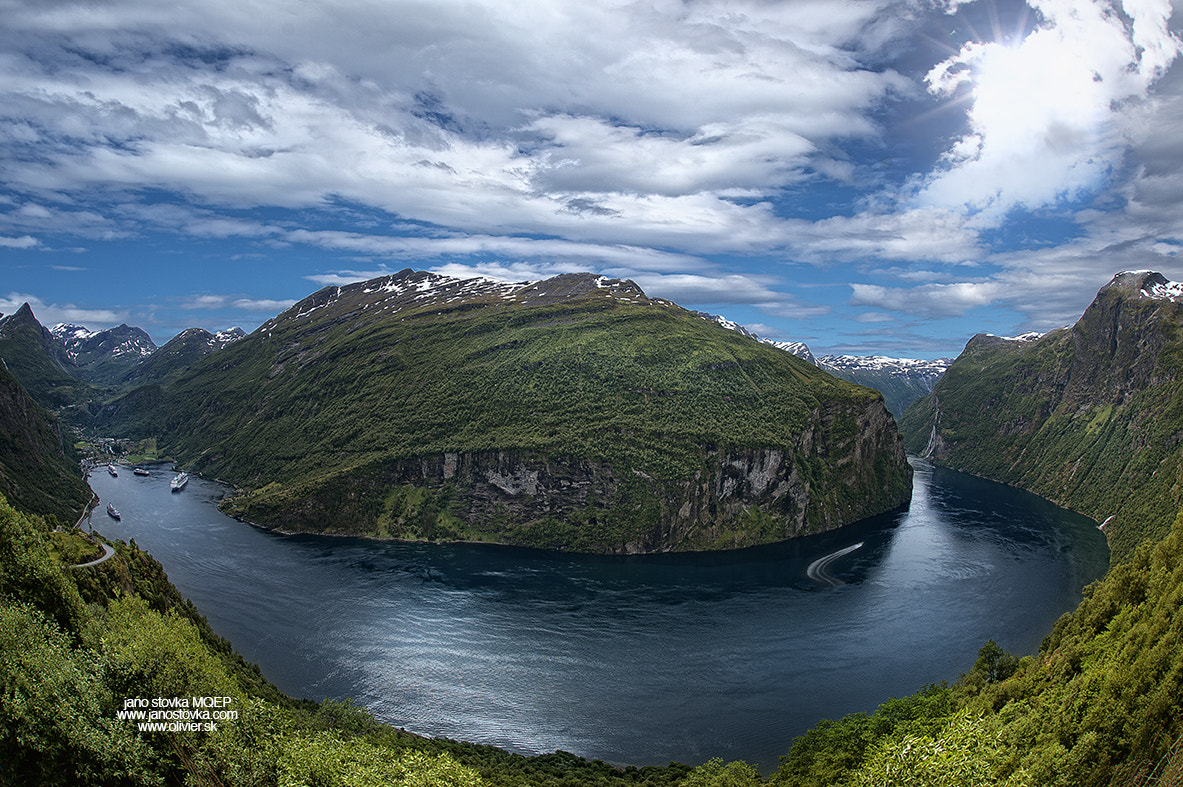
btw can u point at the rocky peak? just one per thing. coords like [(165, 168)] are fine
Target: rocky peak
[(23, 322), (576, 285), (122, 341), (988, 341), (22, 316), (229, 336), (1144, 284), (1118, 338), (799, 349)]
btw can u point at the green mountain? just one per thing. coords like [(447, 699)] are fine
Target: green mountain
[(1083, 415), (573, 413), (31, 353), (38, 473), (177, 354)]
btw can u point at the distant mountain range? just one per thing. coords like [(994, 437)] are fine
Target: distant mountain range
[(65, 366), (900, 380)]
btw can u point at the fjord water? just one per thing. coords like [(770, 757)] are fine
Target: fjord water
[(633, 660)]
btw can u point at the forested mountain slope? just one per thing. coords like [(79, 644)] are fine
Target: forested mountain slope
[(38, 472), (1089, 416), (573, 413), (35, 358), (177, 354)]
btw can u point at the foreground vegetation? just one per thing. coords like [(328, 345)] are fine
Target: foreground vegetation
[(1100, 704)]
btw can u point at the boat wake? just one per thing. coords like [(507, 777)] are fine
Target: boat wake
[(817, 569)]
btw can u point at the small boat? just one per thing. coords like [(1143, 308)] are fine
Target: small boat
[(111, 512), (141, 471), (111, 470), (178, 482)]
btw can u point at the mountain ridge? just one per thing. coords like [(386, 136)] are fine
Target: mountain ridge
[(572, 413), (1076, 415)]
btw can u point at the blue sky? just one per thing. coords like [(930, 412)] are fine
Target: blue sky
[(871, 177)]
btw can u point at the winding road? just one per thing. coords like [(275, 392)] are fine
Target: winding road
[(817, 569), (108, 553)]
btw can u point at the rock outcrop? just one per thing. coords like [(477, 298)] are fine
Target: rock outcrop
[(738, 497)]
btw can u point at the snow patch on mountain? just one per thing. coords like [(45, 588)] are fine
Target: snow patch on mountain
[(228, 336), (799, 349), (880, 363), (1163, 289), (1030, 336)]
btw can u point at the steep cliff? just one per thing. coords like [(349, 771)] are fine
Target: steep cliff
[(572, 413), (37, 474), (1080, 415), (736, 496)]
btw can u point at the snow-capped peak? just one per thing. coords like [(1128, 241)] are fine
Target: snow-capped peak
[(1030, 336), (65, 331), (1147, 284)]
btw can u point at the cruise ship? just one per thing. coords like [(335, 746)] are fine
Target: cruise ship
[(178, 482)]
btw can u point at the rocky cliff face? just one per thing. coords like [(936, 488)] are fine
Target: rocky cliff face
[(1078, 415), (738, 497)]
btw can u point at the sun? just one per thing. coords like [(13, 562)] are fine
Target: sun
[(1042, 109)]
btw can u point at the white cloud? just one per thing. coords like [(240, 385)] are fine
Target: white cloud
[(916, 234), (268, 305), (50, 314), (544, 254), (927, 301), (206, 302), (1044, 114), (615, 123), (691, 288), (23, 242)]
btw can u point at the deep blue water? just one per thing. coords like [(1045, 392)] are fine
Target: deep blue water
[(633, 660)]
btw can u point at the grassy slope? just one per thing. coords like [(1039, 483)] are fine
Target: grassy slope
[(602, 380), (1090, 417), (640, 385), (29, 354)]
